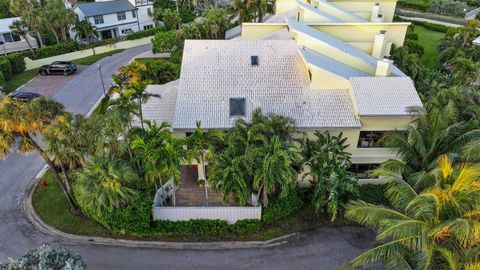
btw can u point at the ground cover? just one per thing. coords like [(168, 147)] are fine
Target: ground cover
[(429, 40), (20, 79)]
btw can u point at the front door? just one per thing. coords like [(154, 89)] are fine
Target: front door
[(106, 34)]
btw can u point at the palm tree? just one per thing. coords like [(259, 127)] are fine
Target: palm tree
[(125, 104), (104, 184), (432, 133), (242, 10), (200, 145), (84, 29), (142, 96), (21, 122), (434, 229), (276, 175), (19, 28), (328, 163)]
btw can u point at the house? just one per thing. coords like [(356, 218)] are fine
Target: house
[(325, 64), (10, 42), (116, 18)]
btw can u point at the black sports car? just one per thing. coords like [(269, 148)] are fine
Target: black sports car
[(58, 68), (24, 96)]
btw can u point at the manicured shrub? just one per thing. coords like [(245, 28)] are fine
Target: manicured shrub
[(6, 68), (161, 71), (202, 227), (433, 27), (2, 81), (282, 207), (246, 226), (58, 49), (46, 257), (448, 7), (17, 62), (165, 42), (374, 194), (145, 33)]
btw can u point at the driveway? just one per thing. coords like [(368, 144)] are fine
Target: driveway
[(48, 86), (323, 249)]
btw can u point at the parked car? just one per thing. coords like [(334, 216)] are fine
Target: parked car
[(24, 96), (58, 68)]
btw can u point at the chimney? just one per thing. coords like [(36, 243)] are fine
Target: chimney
[(384, 67), (379, 19), (379, 45), (375, 12)]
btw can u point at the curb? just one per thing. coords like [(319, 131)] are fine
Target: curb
[(78, 239)]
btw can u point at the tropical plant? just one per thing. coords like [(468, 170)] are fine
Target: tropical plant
[(105, 183), (328, 164), (215, 22), (20, 122), (165, 42), (171, 18), (242, 10), (84, 29), (46, 257), (201, 146), (433, 132), (20, 28), (276, 175), (434, 229)]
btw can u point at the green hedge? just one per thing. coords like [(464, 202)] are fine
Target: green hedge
[(422, 6), (17, 61), (145, 33), (204, 227), (282, 207), (58, 49), (2, 81), (6, 68), (433, 27)]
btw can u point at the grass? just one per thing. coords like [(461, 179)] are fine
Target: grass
[(20, 79), (429, 40), (52, 207), (94, 58), (420, 4)]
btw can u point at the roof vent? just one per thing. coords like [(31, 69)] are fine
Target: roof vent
[(254, 60), (237, 106)]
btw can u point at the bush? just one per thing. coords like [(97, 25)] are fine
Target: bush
[(282, 207), (17, 62), (58, 49), (374, 194), (202, 227), (6, 68), (448, 7), (433, 27), (145, 33), (165, 42), (2, 82), (246, 226), (160, 71), (46, 257)]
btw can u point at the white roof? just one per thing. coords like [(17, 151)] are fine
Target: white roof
[(384, 96), (5, 24), (161, 109), (476, 41), (213, 71)]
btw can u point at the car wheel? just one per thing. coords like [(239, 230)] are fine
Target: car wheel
[(66, 73), (43, 73)]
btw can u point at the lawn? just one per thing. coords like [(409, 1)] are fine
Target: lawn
[(420, 4), (94, 58), (51, 206), (20, 79), (429, 40)]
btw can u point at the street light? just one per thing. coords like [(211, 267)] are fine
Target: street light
[(99, 67)]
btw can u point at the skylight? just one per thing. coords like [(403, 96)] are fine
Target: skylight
[(237, 106)]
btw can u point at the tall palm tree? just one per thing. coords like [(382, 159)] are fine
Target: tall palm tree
[(276, 174), (84, 29), (432, 133), (126, 104), (242, 10), (142, 96), (437, 228), (19, 28), (200, 145), (104, 184), (20, 122)]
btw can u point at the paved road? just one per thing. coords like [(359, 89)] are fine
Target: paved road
[(322, 249)]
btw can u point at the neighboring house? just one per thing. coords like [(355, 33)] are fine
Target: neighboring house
[(117, 17), (12, 43), (332, 76)]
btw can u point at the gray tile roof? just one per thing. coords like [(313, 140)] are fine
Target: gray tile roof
[(107, 7), (336, 43), (213, 71), (331, 65), (384, 96), (320, 13)]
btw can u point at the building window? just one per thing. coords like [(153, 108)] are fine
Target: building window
[(127, 31), (134, 14), (371, 139), (145, 27), (121, 16), (237, 107), (7, 37), (149, 12), (363, 171), (98, 19)]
